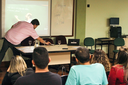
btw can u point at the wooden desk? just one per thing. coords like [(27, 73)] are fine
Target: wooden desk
[(108, 42), (103, 42), (56, 53)]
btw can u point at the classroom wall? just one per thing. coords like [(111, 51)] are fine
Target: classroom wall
[(98, 14), (80, 20), (93, 21)]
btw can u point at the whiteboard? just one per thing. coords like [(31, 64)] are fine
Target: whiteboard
[(62, 17)]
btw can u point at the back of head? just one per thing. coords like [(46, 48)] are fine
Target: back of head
[(123, 56), (98, 56), (17, 64), (35, 22), (82, 54), (40, 57), (123, 60)]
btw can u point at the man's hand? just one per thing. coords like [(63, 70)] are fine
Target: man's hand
[(43, 41), (48, 43)]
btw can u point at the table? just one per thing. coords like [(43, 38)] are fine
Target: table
[(108, 42), (57, 53)]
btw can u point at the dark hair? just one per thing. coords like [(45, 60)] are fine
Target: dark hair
[(122, 58), (40, 57), (82, 54), (35, 22)]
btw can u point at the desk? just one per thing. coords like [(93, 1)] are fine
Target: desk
[(108, 42), (56, 53)]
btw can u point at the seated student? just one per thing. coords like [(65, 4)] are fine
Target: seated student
[(119, 73), (16, 69), (100, 56), (86, 73), (42, 75)]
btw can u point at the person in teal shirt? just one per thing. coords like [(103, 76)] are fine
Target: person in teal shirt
[(86, 73)]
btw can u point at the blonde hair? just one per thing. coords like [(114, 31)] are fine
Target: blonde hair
[(100, 56), (17, 64)]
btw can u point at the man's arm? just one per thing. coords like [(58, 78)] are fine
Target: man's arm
[(42, 41)]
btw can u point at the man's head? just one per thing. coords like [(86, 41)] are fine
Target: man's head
[(40, 57), (82, 54), (35, 23)]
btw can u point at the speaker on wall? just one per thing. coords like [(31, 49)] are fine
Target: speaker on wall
[(115, 32)]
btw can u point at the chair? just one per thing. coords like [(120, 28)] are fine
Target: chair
[(62, 38), (117, 42), (25, 42), (64, 78), (47, 39), (89, 42)]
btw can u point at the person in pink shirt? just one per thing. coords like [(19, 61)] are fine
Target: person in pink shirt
[(17, 34)]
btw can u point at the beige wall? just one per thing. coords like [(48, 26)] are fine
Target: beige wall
[(98, 14), (100, 11)]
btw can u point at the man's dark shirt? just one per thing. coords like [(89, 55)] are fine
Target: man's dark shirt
[(47, 78)]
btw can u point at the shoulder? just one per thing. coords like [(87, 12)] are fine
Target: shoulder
[(97, 64), (29, 71), (54, 74), (14, 74), (24, 78), (25, 23), (75, 67), (118, 66)]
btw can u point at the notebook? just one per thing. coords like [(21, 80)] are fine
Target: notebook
[(74, 42)]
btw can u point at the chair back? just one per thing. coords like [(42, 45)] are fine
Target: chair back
[(25, 42), (47, 39), (62, 38), (88, 41), (119, 42), (64, 78)]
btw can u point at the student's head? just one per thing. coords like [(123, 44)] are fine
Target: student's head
[(123, 56), (35, 23), (17, 64), (99, 56), (82, 54), (40, 57)]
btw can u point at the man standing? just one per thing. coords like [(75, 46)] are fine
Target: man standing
[(42, 75), (17, 34)]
